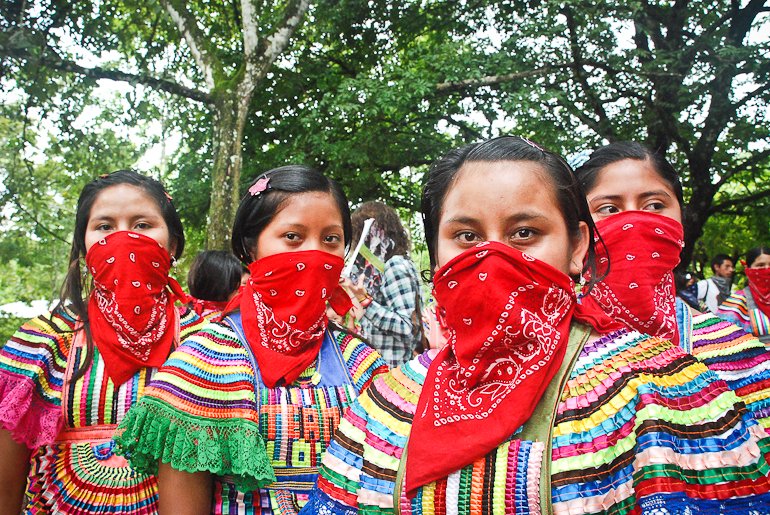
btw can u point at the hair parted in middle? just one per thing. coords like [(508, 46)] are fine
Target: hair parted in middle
[(567, 189)]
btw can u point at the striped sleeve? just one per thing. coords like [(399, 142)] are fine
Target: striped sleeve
[(363, 362), (32, 365), (644, 425), (735, 309), (199, 413), (738, 358)]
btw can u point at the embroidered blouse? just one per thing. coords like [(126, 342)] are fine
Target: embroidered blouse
[(208, 410), (641, 427), (69, 423)]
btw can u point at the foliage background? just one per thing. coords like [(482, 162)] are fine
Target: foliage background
[(371, 92)]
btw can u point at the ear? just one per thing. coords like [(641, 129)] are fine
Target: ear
[(579, 249)]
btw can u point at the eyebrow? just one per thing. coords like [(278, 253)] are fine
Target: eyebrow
[(516, 217), (295, 225), (111, 216), (646, 194)]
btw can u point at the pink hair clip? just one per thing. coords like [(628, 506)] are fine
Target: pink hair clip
[(259, 186), (168, 196)]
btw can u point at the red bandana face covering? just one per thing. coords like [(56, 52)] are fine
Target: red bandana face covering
[(643, 249), (131, 311), (508, 317), (283, 309), (759, 284)]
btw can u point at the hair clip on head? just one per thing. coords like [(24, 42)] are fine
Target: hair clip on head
[(532, 144), (259, 186)]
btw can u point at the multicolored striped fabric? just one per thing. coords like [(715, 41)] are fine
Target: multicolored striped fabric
[(32, 365), (201, 413), (72, 468), (739, 310), (641, 428), (738, 358)]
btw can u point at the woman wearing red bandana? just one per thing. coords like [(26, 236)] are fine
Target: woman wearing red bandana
[(635, 197), (238, 418), (750, 307), (67, 378), (536, 404)]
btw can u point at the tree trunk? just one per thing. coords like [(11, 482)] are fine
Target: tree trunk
[(696, 212), (231, 111), (226, 174)]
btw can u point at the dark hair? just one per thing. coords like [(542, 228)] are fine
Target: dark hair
[(214, 275), (569, 194), (588, 172), (72, 289), (719, 259), (754, 253), (255, 212), (387, 219)]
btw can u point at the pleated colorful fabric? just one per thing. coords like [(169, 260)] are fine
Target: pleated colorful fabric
[(73, 468), (201, 414), (736, 309), (738, 358), (641, 428)]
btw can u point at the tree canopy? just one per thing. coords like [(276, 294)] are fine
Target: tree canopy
[(371, 93)]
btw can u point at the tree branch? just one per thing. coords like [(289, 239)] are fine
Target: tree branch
[(196, 41), (279, 40), (493, 80), (57, 63), (603, 122), (250, 28), (716, 208), (466, 129), (751, 95), (34, 219), (755, 159), (272, 47)]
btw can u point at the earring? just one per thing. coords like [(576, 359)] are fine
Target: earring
[(580, 286), (174, 262)]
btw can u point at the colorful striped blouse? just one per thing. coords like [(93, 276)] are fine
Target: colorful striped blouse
[(641, 428), (734, 355), (68, 423), (201, 413), (739, 309)]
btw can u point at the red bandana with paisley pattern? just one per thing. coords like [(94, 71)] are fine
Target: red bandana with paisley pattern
[(508, 316), (642, 249), (283, 309), (131, 310), (759, 285)]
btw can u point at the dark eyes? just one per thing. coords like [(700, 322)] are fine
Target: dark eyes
[(524, 234), (608, 210), (467, 237), (654, 206)]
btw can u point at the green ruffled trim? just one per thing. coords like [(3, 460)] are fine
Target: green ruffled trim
[(153, 430)]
